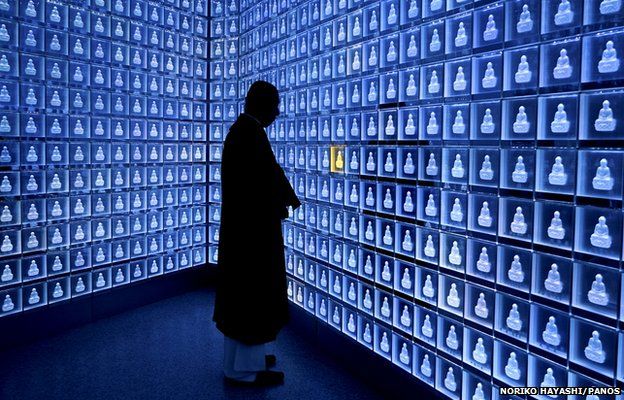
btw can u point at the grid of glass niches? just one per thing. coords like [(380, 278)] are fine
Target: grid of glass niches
[(460, 168), (102, 145)]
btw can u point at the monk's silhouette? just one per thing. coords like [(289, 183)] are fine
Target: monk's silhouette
[(251, 303)]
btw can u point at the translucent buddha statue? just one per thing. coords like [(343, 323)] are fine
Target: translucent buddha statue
[(435, 44), (461, 39), (489, 79), (560, 123), (8, 304), (523, 74), (453, 299), (603, 179), (598, 293), (367, 334), (6, 244), (610, 6), (490, 33), (432, 125), (481, 309), (436, 5), (515, 272), (384, 345), (388, 202), (355, 64), (404, 355), (372, 93), (430, 209), (449, 380), (387, 238), (550, 334), (369, 235), (451, 338), (425, 367), (557, 175), (553, 282), (391, 91), (6, 186), (562, 70), (372, 23), (455, 257), (372, 57), (458, 168), (564, 14), (434, 85), (456, 213), (486, 173), (33, 269), (4, 33), (513, 321), (370, 199), (519, 174), (460, 82), (34, 297), (459, 128), (428, 290), (408, 167), (525, 24), (5, 127), (556, 230), (605, 121), (593, 351), (609, 62), (600, 238), (411, 86), (426, 328), (370, 163), (391, 56), (483, 264), (487, 126), (478, 354), (549, 380), (385, 308), (7, 275), (521, 125), (406, 281), (412, 50), (432, 168), (410, 128)]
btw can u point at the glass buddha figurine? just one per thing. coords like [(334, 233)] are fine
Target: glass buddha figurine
[(432, 125), (428, 290), (521, 125), (410, 128), (461, 39), (562, 70), (598, 293), (425, 367), (372, 93), (515, 273), (513, 321), (434, 85), (406, 281), (435, 44), (456, 213), (553, 282), (600, 238), (372, 57), (523, 74), (385, 308), (436, 5), (408, 167), (525, 24), (412, 50), (411, 87), (560, 123), (605, 121), (404, 355), (407, 244), (483, 264), (550, 334), (388, 203), (7, 275), (519, 175), (489, 78), (487, 126), (355, 64), (593, 351), (478, 354), (564, 13), (486, 173), (391, 56), (557, 175), (6, 244), (458, 169), (453, 299), (459, 128), (460, 82), (518, 225), (432, 168), (451, 338), (549, 380), (609, 62), (384, 345), (412, 11), (387, 238), (426, 328), (454, 256), (610, 6), (391, 91), (603, 179), (490, 33), (449, 380), (556, 230), (481, 309), (431, 209), (4, 33)]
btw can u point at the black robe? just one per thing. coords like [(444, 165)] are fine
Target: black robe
[(251, 303)]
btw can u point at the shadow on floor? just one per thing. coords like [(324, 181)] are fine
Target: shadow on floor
[(166, 350)]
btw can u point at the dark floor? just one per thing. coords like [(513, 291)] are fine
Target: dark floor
[(167, 350)]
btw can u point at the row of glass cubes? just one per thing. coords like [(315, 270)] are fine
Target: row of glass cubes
[(63, 153), (442, 367), (356, 19), (78, 283)]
